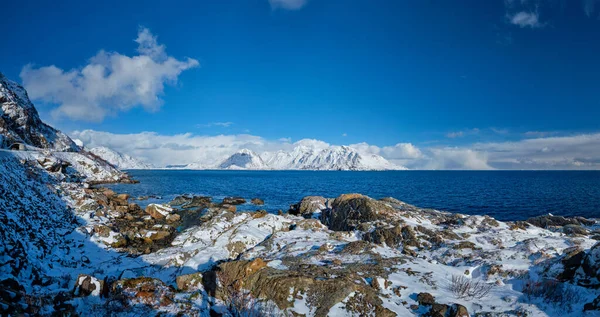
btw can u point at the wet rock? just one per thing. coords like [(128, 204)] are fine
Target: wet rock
[(548, 221), (158, 211), (198, 202), (350, 210), (425, 299), (257, 201), (189, 282), (574, 230), (87, 285), (308, 205), (178, 201), (233, 201)]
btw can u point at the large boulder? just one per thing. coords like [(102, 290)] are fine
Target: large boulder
[(350, 210), (308, 205), (158, 211), (299, 282)]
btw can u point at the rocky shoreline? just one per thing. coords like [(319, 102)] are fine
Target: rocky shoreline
[(347, 256)]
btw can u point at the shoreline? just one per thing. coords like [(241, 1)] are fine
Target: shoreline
[(346, 255)]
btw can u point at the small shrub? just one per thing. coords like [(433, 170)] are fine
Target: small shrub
[(551, 292), (464, 287)]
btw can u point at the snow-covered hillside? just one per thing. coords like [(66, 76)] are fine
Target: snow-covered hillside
[(244, 159), (20, 121), (120, 160)]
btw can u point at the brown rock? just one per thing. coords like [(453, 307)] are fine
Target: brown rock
[(233, 201), (158, 211), (350, 210), (189, 282), (87, 285), (173, 218), (308, 205), (425, 299), (458, 310), (257, 201)]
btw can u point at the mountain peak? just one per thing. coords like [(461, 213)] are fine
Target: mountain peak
[(20, 121), (243, 159)]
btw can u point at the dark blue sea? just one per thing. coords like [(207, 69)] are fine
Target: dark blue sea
[(504, 195)]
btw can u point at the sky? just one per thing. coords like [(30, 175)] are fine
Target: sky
[(499, 84)]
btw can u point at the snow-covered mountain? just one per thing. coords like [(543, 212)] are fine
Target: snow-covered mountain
[(337, 158), (20, 121), (120, 160), (342, 158), (244, 159)]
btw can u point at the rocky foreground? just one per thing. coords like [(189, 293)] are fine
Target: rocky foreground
[(68, 248)]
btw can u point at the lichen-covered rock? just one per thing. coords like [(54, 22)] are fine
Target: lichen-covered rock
[(350, 210), (299, 282), (189, 282), (308, 205)]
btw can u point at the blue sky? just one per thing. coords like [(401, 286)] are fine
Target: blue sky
[(428, 73)]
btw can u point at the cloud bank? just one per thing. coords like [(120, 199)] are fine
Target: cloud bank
[(109, 83), (559, 152)]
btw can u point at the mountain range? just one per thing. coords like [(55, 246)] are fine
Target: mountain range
[(20, 123)]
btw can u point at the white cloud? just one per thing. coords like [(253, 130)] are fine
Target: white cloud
[(344, 134), (287, 4), (459, 134), (566, 152), (109, 83), (526, 19), (215, 124), (456, 134)]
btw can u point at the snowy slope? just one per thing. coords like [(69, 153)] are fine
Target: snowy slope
[(120, 160), (20, 121), (243, 159)]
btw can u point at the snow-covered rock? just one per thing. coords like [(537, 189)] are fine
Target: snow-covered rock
[(20, 121), (120, 160), (243, 159)]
